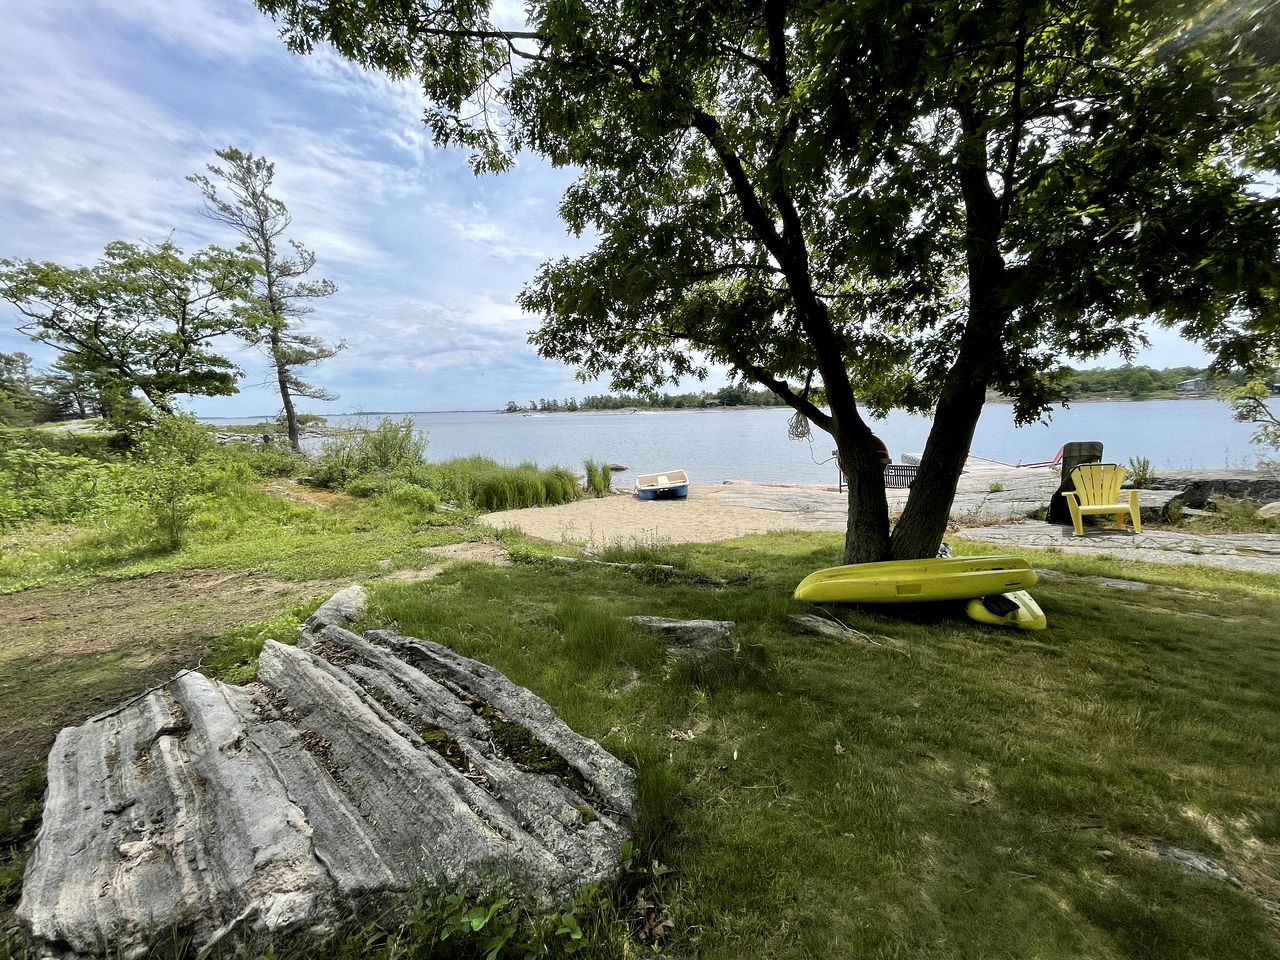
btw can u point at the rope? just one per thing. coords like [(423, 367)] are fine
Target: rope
[(798, 427)]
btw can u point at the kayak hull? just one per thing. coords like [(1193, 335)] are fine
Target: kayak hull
[(1027, 614), (917, 581)]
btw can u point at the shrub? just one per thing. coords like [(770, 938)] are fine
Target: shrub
[(389, 446), (37, 483), (169, 455), (1141, 473), (305, 420), (267, 461), (412, 497)]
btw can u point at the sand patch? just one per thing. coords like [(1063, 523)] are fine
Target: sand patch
[(451, 553)]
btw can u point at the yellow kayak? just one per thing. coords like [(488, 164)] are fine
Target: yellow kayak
[(914, 581)]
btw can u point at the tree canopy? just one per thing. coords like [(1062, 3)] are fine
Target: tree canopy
[(239, 196), (871, 205), (145, 317)]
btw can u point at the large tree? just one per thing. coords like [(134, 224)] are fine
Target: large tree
[(284, 293), (145, 316), (864, 205)]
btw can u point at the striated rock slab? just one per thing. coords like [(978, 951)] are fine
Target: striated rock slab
[(357, 767)]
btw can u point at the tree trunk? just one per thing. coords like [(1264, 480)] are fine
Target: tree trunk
[(282, 378), (923, 523), (866, 537)]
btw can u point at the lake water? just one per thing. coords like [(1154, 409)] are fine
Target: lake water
[(752, 444)]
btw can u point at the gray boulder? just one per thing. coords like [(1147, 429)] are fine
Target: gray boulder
[(355, 768), (341, 610)]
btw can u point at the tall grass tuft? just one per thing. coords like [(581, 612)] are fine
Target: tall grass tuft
[(480, 483), (599, 477)]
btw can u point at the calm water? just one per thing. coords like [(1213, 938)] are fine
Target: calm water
[(715, 445)]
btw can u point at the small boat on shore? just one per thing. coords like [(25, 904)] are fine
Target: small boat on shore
[(673, 483), (913, 581)]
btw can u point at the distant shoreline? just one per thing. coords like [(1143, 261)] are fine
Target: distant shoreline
[(259, 418)]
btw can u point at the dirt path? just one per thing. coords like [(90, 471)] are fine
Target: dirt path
[(68, 652)]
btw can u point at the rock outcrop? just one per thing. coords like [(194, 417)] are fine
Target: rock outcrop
[(692, 638), (355, 767), (1198, 486)]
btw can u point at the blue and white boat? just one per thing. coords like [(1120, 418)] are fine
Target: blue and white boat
[(673, 483)]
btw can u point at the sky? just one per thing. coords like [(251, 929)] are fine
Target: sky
[(109, 104)]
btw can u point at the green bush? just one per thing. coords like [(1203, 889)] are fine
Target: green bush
[(172, 456), (41, 484), (482, 484), (267, 461), (411, 497), (388, 447), (305, 420)]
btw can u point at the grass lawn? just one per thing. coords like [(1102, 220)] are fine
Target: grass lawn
[(928, 788)]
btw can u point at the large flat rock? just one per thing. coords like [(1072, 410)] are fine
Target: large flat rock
[(1247, 552), (355, 767)]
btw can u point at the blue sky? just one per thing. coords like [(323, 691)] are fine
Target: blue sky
[(109, 104)]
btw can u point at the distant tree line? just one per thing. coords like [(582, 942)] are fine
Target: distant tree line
[(1132, 381), (1125, 381), (730, 396)]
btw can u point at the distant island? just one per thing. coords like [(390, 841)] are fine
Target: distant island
[(730, 396), (1127, 382)]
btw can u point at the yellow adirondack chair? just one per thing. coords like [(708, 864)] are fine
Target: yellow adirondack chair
[(1098, 492)]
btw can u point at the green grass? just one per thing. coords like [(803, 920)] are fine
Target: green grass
[(960, 792), (246, 529), (934, 788)]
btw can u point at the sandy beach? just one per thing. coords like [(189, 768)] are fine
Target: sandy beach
[(723, 511), (992, 505)]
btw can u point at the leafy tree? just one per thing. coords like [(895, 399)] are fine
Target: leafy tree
[(143, 316), (20, 403), (865, 205), (248, 208), (79, 385), (1253, 402)]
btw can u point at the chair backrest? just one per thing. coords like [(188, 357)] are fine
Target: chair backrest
[(1098, 482), (1077, 453)]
